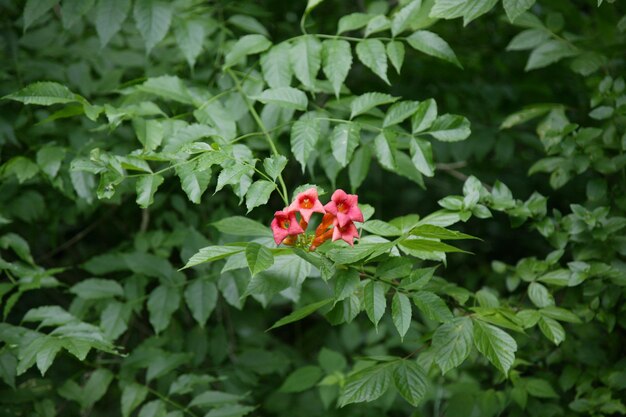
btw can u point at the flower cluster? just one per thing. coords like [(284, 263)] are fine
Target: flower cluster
[(337, 223)]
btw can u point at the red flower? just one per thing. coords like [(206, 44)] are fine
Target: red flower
[(285, 224), (345, 208), (347, 232), (307, 203)]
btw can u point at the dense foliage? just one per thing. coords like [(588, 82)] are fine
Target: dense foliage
[(146, 145)]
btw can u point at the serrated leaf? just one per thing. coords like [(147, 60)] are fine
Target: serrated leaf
[(438, 232), (346, 282), (193, 181), (432, 44), (514, 8), (539, 295), (301, 379), (402, 19), (231, 175), (133, 395), (549, 52), (114, 319), (401, 313), (97, 288), (427, 245), (399, 112), (275, 66), (162, 303), (241, 226), (336, 62), (259, 258), (359, 167), (386, 150), (450, 128), (452, 343), (73, 10), (378, 24), (213, 253), (49, 159), (424, 116), (497, 346), (149, 133), (246, 45), (287, 97), (153, 19), (168, 87), (375, 301), (410, 381), (190, 36), (371, 52), (381, 228), (305, 134), (274, 165), (344, 140), (301, 313), (201, 298), (258, 193), (353, 21), (467, 9), (395, 52), (248, 24), (306, 58), (43, 93), (432, 306), (110, 14), (528, 39), (552, 329), (34, 9), (366, 385), (368, 101), (422, 156), (147, 185)]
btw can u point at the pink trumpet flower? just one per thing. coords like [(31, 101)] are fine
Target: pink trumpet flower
[(345, 208), (347, 233), (285, 224), (307, 203)]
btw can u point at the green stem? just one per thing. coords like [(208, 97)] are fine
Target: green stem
[(264, 130)]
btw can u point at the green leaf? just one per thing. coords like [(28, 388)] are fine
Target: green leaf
[(301, 379), (422, 156), (359, 167), (153, 19), (168, 87), (432, 306), (550, 52), (366, 385), (539, 388), (368, 101), (497, 346), (378, 24), (450, 128), (539, 295), (560, 314), (47, 352), (528, 39), (353, 21), (348, 255), (73, 10), (514, 8), (301, 313), (8, 366), (193, 181), (34, 9), (424, 116), (525, 115), (246, 45), (312, 4), (241, 226), (371, 52), (402, 19), (345, 139), (399, 112), (410, 381), (287, 97), (231, 410), (331, 361), (213, 398), (155, 408), (467, 9), (274, 165), (212, 253), (381, 228), (258, 193), (386, 150), (97, 288), (552, 330), (432, 44), (248, 24), (437, 232), (110, 14), (259, 258), (305, 134), (133, 395), (452, 343), (147, 185), (375, 301), (401, 313), (275, 66), (427, 245), (162, 303), (395, 52), (190, 36), (114, 319), (44, 93), (231, 175), (336, 62), (306, 58), (201, 298), (346, 282), (149, 133)]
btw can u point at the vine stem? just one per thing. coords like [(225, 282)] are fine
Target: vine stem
[(261, 125)]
